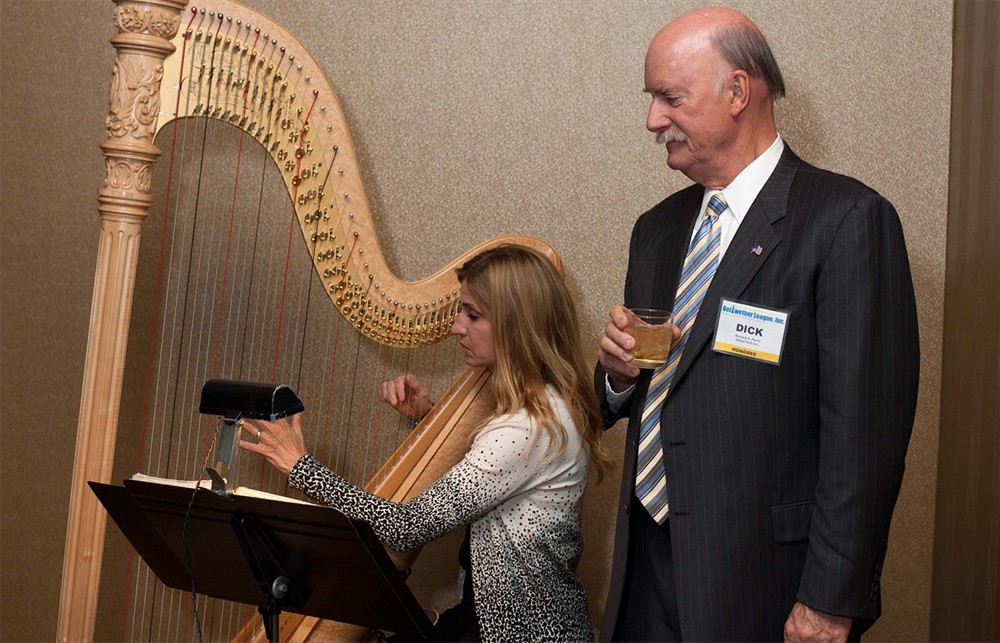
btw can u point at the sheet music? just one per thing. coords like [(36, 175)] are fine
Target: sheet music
[(246, 492)]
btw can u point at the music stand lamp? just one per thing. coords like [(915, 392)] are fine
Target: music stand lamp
[(236, 401)]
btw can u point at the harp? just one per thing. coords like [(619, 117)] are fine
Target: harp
[(217, 70)]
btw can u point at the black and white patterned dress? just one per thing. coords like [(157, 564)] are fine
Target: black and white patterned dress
[(522, 501)]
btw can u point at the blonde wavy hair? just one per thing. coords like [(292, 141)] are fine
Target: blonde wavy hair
[(536, 336)]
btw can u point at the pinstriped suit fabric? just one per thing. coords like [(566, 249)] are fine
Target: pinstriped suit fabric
[(782, 489)]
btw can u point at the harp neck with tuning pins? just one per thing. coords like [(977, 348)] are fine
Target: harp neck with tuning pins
[(194, 77)]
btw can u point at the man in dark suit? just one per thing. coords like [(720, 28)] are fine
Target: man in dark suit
[(771, 445)]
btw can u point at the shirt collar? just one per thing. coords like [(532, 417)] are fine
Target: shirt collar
[(743, 191)]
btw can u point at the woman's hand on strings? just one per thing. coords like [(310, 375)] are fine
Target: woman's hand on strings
[(406, 395), (281, 442)]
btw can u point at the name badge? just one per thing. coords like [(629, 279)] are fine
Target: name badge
[(750, 331)]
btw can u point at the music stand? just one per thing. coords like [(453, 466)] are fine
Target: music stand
[(278, 555)]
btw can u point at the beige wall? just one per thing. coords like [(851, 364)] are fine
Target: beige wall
[(471, 119)]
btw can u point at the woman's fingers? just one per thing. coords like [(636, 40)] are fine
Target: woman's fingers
[(281, 442)]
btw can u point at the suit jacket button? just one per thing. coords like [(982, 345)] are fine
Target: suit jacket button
[(626, 508)]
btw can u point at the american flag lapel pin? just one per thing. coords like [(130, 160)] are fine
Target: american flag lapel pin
[(756, 249)]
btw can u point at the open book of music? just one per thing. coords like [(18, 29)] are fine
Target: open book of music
[(206, 484)]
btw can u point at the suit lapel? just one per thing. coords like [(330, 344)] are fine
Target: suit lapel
[(739, 265)]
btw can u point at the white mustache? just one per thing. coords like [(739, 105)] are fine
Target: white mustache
[(670, 136)]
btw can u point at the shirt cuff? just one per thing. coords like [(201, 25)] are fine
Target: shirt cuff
[(616, 400)]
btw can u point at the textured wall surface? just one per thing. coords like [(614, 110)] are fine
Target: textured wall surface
[(471, 119)]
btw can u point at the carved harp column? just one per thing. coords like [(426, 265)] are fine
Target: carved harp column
[(145, 30)]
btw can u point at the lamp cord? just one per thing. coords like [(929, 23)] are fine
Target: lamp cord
[(184, 539)]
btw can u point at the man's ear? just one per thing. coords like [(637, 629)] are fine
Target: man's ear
[(739, 91)]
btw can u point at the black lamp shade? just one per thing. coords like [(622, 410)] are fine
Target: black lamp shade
[(252, 400)]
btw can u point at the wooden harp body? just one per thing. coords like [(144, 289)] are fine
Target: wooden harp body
[(218, 70)]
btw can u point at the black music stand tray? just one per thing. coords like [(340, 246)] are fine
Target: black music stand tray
[(278, 555)]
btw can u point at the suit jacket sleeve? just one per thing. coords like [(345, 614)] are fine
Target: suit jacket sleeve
[(868, 356), (600, 375)]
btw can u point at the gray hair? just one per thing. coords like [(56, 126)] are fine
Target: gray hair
[(743, 46)]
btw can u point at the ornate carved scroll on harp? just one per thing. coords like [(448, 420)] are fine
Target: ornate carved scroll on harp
[(253, 76)]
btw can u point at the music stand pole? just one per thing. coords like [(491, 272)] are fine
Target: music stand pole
[(270, 570)]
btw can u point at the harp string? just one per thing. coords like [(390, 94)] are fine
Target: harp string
[(325, 446), (156, 298), (377, 415), (145, 573), (292, 220)]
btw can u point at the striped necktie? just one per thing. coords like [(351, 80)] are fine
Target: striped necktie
[(699, 268)]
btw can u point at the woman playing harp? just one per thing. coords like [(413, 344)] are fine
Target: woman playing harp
[(520, 486)]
